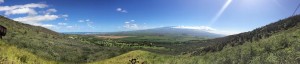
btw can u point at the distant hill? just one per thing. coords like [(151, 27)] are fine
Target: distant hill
[(166, 31), (84, 33)]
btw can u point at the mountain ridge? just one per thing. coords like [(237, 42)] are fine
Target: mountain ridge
[(166, 31)]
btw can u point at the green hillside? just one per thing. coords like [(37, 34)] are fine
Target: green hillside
[(51, 45), (42, 42)]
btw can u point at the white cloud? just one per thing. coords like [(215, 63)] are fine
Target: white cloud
[(29, 11), (49, 11), (21, 9), (1, 1), (62, 24), (226, 32), (132, 20), (66, 26), (121, 10), (131, 25), (81, 21), (208, 29), (36, 19), (65, 15), (52, 10), (33, 17), (204, 28), (48, 25), (69, 27), (88, 22)]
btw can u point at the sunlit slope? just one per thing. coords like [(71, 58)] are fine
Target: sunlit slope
[(150, 58), (13, 55), (172, 31), (280, 48)]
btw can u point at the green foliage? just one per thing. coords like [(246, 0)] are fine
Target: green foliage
[(13, 55)]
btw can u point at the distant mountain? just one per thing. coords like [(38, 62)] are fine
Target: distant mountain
[(167, 31), (83, 33)]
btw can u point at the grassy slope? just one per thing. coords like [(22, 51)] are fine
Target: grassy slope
[(54, 46), (282, 47), (148, 57), (41, 41), (13, 55)]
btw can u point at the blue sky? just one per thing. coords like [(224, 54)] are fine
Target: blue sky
[(223, 16)]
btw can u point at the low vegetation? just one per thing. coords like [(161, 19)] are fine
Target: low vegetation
[(12, 55)]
